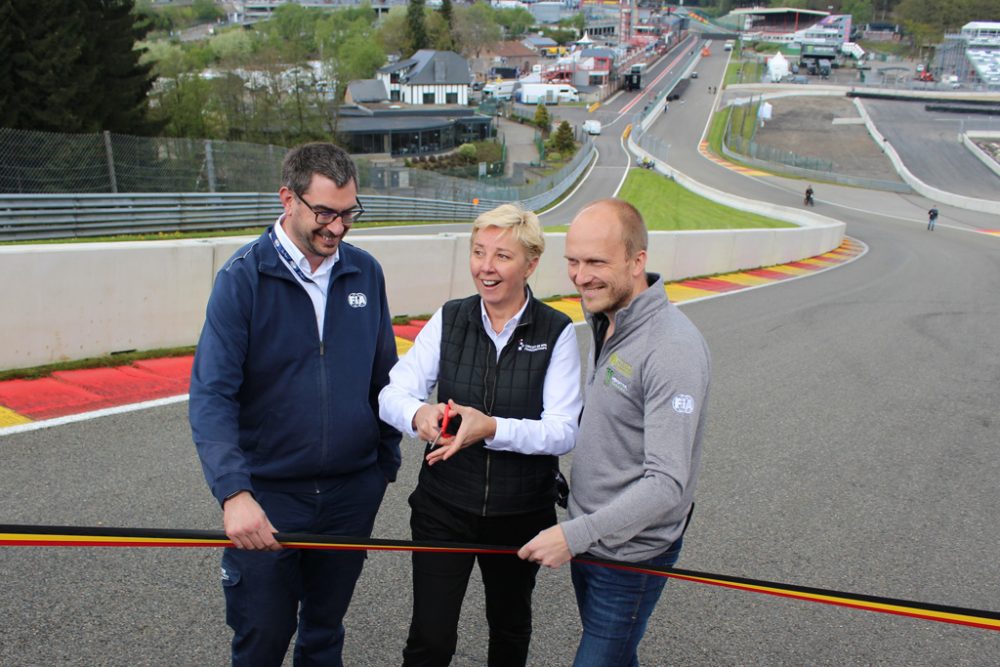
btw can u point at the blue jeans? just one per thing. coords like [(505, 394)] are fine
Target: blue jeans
[(615, 606)]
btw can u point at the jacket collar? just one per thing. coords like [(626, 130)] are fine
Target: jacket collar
[(271, 264), (640, 309), (476, 314)]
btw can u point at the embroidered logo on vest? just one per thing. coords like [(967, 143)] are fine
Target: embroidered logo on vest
[(357, 300), (528, 347)]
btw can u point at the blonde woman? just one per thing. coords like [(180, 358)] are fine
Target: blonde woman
[(509, 366)]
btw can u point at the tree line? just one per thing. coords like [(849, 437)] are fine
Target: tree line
[(81, 66)]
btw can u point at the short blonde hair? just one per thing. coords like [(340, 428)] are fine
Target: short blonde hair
[(523, 223)]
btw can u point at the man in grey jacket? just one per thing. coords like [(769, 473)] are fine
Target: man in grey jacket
[(638, 451)]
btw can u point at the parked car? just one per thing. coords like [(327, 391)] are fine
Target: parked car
[(592, 127)]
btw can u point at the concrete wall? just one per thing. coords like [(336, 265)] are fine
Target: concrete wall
[(950, 198), (73, 301), (969, 140)]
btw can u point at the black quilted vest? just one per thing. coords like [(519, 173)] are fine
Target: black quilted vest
[(478, 480)]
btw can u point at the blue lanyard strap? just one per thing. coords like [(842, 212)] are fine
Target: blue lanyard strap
[(288, 258)]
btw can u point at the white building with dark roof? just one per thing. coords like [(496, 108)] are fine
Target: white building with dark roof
[(428, 77)]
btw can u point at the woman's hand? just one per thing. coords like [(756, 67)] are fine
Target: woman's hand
[(476, 426)]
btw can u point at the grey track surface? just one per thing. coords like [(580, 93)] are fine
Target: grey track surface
[(852, 444), (927, 142)]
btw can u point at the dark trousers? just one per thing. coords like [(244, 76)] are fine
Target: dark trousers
[(440, 581), (270, 595)]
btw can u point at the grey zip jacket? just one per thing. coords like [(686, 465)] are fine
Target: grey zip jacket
[(638, 452)]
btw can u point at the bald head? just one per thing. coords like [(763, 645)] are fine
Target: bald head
[(629, 221), (606, 255)]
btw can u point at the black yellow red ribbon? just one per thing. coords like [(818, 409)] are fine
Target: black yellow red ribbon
[(79, 536)]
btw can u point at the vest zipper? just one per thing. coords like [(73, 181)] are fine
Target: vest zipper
[(486, 489)]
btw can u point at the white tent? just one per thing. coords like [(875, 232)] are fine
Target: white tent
[(777, 68)]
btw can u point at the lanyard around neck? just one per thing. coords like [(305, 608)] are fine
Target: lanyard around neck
[(288, 258)]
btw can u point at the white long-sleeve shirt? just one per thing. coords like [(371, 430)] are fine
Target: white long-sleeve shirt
[(415, 375)]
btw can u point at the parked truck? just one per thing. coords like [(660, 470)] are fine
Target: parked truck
[(500, 90), (547, 93)]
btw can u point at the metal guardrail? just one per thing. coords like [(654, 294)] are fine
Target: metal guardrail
[(33, 217), (37, 217)]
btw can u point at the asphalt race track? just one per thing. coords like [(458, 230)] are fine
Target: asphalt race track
[(852, 445), (917, 134)]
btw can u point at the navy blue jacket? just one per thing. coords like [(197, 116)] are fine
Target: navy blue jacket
[(271, 404)]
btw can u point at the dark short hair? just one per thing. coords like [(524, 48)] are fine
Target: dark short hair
[(325, 159), (634, 233)]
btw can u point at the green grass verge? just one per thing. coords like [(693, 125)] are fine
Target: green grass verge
[(718, 129), (743, 71), (667, 206)]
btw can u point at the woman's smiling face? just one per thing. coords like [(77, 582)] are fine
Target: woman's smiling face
[(500, 268)]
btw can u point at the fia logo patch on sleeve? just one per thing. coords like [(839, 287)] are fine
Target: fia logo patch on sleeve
[(683, 404)]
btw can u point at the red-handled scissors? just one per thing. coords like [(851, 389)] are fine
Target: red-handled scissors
[(444, 425)]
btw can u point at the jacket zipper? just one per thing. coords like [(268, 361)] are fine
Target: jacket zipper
[(323, 401)]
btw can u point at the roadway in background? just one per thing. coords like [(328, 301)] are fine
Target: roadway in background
[(916, 133), (852, 444)]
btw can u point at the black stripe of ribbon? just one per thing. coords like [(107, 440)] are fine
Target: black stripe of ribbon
[(346, 542)]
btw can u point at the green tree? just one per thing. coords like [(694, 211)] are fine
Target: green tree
[(74, 67), (514, 21), (475, 29), (563, 141), (577, 23), (445, 16), (446, 12), (861, 11), (438, 34), (350, 51), (392, 31), (561, 36), (233, 45), (291, 32), (543, 121), (10, 34), (932, 18), (206, 10), (416, 29)]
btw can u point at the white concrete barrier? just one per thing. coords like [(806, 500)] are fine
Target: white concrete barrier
[(969, 140), (940, 196), (74, 301)]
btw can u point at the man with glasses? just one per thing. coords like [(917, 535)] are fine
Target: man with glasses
[(296, 346)]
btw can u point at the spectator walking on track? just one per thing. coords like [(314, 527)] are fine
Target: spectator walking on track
[(509, 366), (296, 346), (932, 216), (638, 452)]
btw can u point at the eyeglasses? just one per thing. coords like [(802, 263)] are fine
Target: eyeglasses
[(325, 216)]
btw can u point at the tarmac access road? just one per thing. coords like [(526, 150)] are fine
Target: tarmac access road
[(852, 445), (916, 133), (613, 160)]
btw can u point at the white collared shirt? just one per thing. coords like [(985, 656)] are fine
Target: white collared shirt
[(415, 375), (317, 289)]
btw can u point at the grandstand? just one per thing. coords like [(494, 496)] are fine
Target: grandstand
[(776, 24), (972, 57)]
